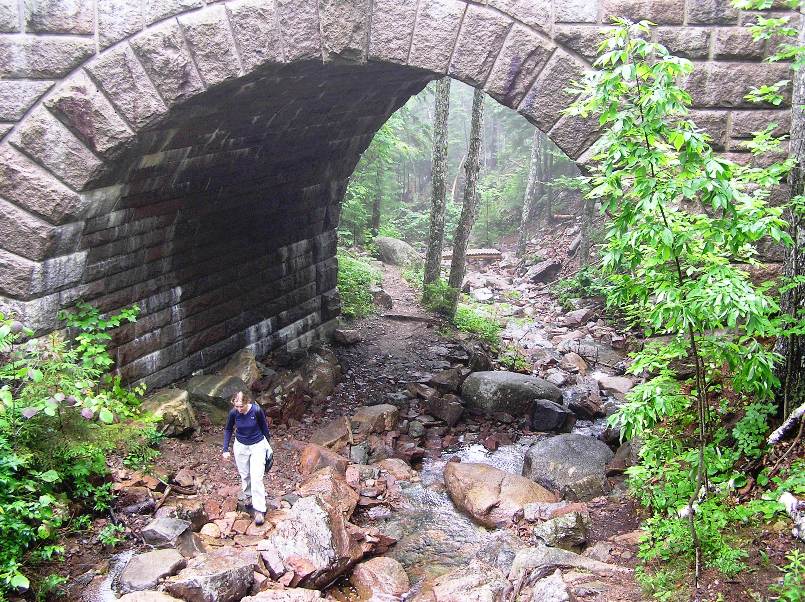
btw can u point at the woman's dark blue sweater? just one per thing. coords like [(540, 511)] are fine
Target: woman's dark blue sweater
[(250, 428)]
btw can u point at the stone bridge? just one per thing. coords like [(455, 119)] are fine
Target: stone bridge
[(190, 156)]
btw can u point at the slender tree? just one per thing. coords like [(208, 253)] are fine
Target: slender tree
[(469, 207), (529, 198), (433, 259)]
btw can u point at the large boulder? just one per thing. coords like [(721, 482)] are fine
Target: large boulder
[(333, 435), (380, 578), (477, 582), (445, 408), (189, 509), (567, 531), (313, 543), (144, 571), (225, 575), (321, 372), (212, 393), (314, 457), (550, 417), (552, 589), (243, 365), (164, 532), (379, 418), (491, 496), (331, 486), (172, 407), (574, 465), (397, 252), (539, 561), (500, 391)]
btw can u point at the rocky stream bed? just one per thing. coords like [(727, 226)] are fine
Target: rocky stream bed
[(406, 467)]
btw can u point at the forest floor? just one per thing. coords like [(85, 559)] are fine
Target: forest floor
[(399, 347)]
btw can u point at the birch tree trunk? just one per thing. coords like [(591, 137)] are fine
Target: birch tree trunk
[(433, 258), (792, 371), (530, 193), (469, 207)]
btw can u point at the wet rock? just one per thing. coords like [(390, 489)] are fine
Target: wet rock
[(376, 419), (330, 485), (477, 582), (579, 317), (416, 429), (282, 594), (212, 393), (552, 589), (346, 337), (573, 362), (321, 372), (447, 381), (491, 496), (550, 417), (381, 298), (568, 531), (499, 391), (380, 578), (584, 399), (540, 561), (422, 391), (544, 271), (500, 550), (334, 435), (397, 468), (173, 407), (558, 377), (148, 596), (285, 399), (623, 459), (397, 252), (574, 465), (445, 409), (225, 575), (359, 454), (144, 571), (313, 543), (480, 360), (243, 365), (164, 532), (186, 509), (314, 457), (615, 385)]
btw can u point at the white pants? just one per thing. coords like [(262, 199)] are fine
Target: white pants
[(251, 463)]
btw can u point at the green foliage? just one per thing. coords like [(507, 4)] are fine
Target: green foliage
[(792, 589), (472, 321), (586, 283), (512, 358), (355, 279), (143, 450), (438, 296), (110, 535), (52, 391)]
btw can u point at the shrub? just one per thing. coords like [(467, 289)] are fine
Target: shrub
[(469, 320), (355, 279)]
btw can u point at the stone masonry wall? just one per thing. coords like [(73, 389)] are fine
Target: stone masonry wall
[(190, 156)]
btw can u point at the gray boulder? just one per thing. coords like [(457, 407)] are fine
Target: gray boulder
[(477, 582), (243, 365), (550, 417), (574, 465), (568, 531), (144, 571), (397, 252), (225, 575), (173, 407), (164, 532), (552, 589), (540, 561), (212, 393), (148, 596), (499, 391)]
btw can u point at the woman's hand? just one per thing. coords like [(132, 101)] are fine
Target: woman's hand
[(226, 455)]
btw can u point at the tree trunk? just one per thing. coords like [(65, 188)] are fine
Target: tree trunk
[(469, 207), (375, 226), (792, 371), (588, 209), (530, 193), (433, 258), (547, 191)]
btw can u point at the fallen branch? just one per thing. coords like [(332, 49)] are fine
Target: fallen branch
[(164, 497), (787, 426), (797, 514)]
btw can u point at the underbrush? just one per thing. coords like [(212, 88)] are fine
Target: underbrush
[(587, 283), (355, 280)]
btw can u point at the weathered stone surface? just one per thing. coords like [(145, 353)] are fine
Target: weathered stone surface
[(173, 407), (190, 509), (225, 575), (168, 63), (299, 22), (397, 468), (347, 337), (723, 85), (215, 389), (144, 571), (23, 278), (344, 29), (329, 485), (534, 13), (550, 417), (574, 465), (156, 10), (746, 123), (689, 42), (33, 238), (541, 560), (576, 11), (568, 531), (118, 19), (294, 594), (523, 55), (380, 578), (376, 419), (583, 39), (575, 134), (148, 596), (445, 409), (500, 391), (661, 12), (479, 41), (491, 496), (392, 29), (254, 24), (397, 252), (83, 109), (543, 104), (714, 123), (242, 365), (437, 26), (321, 372), (9, 16), (478, 582), (59, 16), (552, 589), (333, 435), (208, 35), (16, 97), (42, 57), (127, 85), (712, 12), (615, 385), (737, 43), (164, 532), (315, 457)]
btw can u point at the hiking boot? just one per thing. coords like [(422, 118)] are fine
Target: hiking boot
[(258, 518)]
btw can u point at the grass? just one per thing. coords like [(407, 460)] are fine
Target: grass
[(355, 279)]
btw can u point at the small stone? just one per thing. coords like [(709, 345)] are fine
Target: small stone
[(164, 532), (347, 337)]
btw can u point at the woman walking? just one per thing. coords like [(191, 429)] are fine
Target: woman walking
[(251, 451)]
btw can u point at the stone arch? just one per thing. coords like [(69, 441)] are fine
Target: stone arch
[(191, 156)]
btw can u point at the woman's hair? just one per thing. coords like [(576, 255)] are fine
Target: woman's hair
[(235, 397)]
